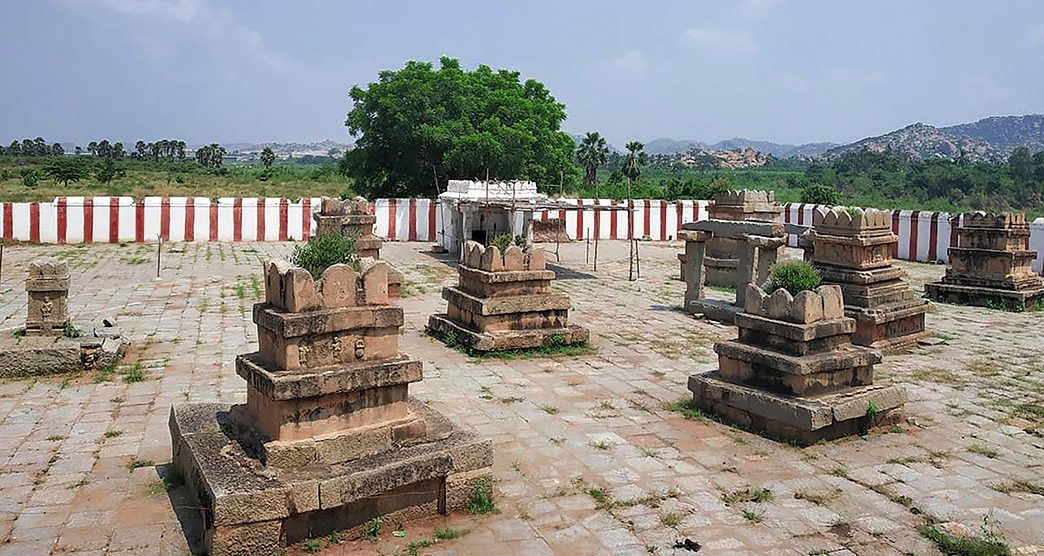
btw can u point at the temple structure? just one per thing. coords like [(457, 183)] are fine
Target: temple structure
[(991, 264), (723, 252), (48, 289), (328, 437), (793, 372), (353, 218), (853, 248), (504, 301)]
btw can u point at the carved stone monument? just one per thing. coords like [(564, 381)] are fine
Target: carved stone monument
[(793, 372), (990, 265), (352, 218), (723, 252), (328, 437), (852, 248), (48, 290), (505, 302), (756, 243)]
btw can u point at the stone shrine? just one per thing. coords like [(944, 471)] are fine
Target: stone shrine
[(722, 255), (852, 248), (352, 218), (793, 372), (757, 244), (990, 264), (505, 302), (328, 437), (48, 290)]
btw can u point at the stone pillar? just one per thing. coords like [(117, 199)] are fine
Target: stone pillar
[(693, 264), (48, 290), (723, 251), (767, 255)]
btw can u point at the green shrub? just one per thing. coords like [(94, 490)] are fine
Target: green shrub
[(503, 241), (795, 277), (30, 176), (819, 194), (323, 251)]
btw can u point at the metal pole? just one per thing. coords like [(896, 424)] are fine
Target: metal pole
[(637, 260), (596, 254), (587, 245), (159, 253)]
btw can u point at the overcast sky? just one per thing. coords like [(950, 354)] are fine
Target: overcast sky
[(779, 70)]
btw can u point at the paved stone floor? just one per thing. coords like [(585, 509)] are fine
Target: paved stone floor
[(81, 457)]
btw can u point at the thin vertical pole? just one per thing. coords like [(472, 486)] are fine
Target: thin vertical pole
[(159, 253), (596, 254)]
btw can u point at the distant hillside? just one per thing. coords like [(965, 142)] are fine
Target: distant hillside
[(1004, 132), (989, 139), (777, 150)]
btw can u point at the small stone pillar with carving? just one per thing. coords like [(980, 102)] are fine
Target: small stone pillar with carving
[(48, 290)]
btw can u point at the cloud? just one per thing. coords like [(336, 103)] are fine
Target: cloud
[(1036, 34), (212, 27), (856, 76), (632, 61), (717, 41)]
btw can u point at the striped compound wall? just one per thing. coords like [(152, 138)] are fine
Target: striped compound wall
[(923, 235)]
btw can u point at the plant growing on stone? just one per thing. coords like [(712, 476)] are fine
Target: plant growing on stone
[(503, 241), (795, 277), (323, 251)]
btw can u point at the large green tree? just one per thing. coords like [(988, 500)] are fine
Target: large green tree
[(592, 153), (418, 124)]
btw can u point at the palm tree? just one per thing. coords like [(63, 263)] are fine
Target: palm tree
[(632, 168), (592, 153)]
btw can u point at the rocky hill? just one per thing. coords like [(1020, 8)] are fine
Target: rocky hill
[(1004, 132), (989, 139), (922, 141), (778, 150)]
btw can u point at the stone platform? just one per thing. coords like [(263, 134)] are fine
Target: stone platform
[(984, 297), (500, 340), (38, 355), (805, 420), (250, 509)]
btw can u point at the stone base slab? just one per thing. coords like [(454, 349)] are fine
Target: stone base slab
[(506, 339), (805, 420), (714, 309), (983, 297), (248, 509), (891, 327), (45, 355)]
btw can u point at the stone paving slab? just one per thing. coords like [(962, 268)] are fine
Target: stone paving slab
[(81, 458)]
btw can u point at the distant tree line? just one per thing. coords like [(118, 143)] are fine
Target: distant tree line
[(32, 147)]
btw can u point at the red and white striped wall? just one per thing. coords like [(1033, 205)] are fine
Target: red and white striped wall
[(116, 219), (653, 218)]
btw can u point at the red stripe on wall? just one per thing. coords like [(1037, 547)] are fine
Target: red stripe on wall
[(114, 219), (306, 218), (580, 220), (284, 218), (801, 214), (259, 232), (955, 221), (412, 233), (190, 219), (139, 221), (213, 232), (88, 220), (63, 219), (895, 230), (392, 210), (8, 221), (165, 219), (663, 220), (786, 213), (237, 220), (34, 222), (431, 221), (612, 221), (933, 238), (647, 219), (914, 224), (679, 208)]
